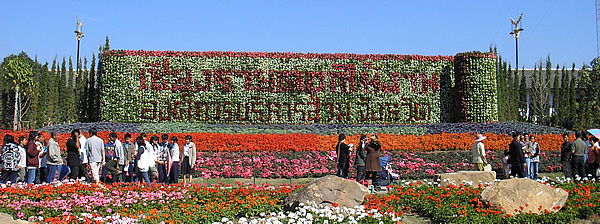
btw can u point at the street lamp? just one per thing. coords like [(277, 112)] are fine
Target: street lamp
[(516, 32), (79, 36)]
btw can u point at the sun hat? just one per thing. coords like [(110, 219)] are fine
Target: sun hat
[(479, 138)]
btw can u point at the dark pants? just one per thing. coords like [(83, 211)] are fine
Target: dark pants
[(592, 169), (74, 172), (130, 172), (174, 173), (343, 168), (516, 170), (567, 169), (40, 175), (373, 176), (579, 166), (162, 173), (83, 172), (360, 173), (9, 176), (153, 173), (111, 168)]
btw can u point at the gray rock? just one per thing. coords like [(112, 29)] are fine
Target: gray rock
[(7, 219), (515, 193), (328, 190), (473, 178)]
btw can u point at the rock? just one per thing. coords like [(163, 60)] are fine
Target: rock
[(473, 178), (521, 192), (7, 219), (328, 190)]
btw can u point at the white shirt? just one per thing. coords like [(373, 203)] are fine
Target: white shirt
[(119, 152), (82, 152), (23, 161), (175, 153)]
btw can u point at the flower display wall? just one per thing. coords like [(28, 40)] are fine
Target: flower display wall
[(268, 88)]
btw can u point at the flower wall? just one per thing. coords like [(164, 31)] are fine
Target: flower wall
[(268, 88)]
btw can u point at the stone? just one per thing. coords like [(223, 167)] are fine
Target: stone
[(513, 194), (473, 178), (7, 219), (328, 190)]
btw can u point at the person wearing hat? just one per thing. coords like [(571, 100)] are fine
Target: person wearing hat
[(479, 153), (343, 156)]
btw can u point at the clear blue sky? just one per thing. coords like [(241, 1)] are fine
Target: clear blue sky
[(565, 30)]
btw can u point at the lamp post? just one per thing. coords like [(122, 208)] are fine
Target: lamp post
[(516, 33), (79, 35)]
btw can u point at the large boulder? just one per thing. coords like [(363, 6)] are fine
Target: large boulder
[(7, 219), (513, 194), (328, 190), (473, 178)]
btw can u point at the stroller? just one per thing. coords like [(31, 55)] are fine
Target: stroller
[(386, 176)]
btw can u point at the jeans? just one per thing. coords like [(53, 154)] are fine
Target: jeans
[(31, 176), (52, 172), (527, 169), (533, 169), (8, 176), (145, 177), (162, 173)]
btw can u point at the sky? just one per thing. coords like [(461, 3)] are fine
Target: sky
[(563, 30)]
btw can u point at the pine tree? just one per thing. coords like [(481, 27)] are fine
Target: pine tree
[(52, 96), (523, 107), (81, 92), (555, 97), (91, 97), (71, 106), (63, 93)]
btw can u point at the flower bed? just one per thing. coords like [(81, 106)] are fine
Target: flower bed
[(312, 142), (83, 203)]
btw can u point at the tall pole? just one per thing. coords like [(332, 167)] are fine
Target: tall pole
[(516, 32), (79, 36)]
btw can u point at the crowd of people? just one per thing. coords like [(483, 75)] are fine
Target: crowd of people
[(366, 158), (33, 160), (579, 159)]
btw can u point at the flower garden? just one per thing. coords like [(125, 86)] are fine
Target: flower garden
[(277, 115)]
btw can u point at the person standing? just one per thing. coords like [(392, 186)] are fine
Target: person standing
[(42, 170), (120, 152), (10, 155), (534, 155), (163, 158), (153, 149), (129, 154), (54, 161), (566, 157), (73, 156), (143, 159), (592, 159), (343, 156), (527, 154), (506, 164), (174, 152), (517, 160), (33, 161), (478, 151), (372, 163), (111, 158), (22, 175), (359, 159), (94, 147), (578, 149), (189, 159), (83, 171)]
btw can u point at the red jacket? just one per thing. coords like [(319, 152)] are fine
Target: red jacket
[(32, 154)]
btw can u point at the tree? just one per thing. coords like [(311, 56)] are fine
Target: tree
[(523, 107), (556, 97), (18, 76), (540, 92), (42, 108)]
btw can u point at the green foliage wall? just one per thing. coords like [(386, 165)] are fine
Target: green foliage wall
[(247, 87)]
